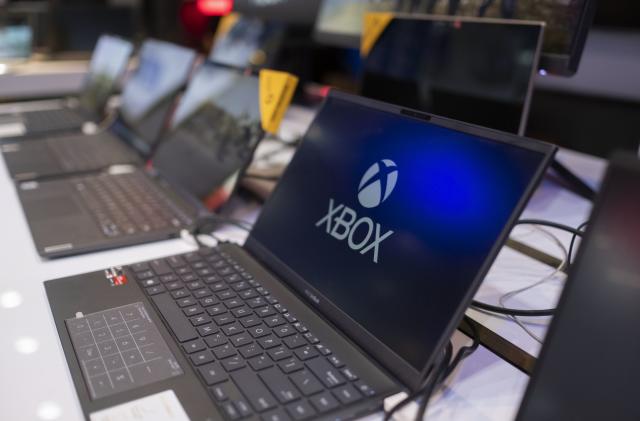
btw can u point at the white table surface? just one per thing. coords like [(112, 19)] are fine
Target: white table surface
[(35, 381)]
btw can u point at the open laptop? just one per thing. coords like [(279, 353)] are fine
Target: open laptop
[(108, 64), (353, 279), (588, 367), (215, 130), (147, 101), (479, 71)]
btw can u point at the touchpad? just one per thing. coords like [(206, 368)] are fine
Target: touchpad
[(120, 349), (53, 207)]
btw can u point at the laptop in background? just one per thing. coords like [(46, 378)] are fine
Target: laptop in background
[(356, 274), (108, 65), (475, 70), (588, 366), (215, 129), (147, 101)]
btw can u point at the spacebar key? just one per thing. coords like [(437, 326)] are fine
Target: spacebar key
[(254, 390), (178, 323)]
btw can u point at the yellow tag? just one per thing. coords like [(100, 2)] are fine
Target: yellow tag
[(276, 93), (225, 24), (374, 26)]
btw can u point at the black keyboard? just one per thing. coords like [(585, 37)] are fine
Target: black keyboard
[(51, 120), (79, 153), (256, 358), (127, 204)]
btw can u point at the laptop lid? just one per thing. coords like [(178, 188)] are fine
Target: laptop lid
[(149, 94), (474, 70), (388, 219), (108, 64), (588, 367), (214, 130), (250, 42)]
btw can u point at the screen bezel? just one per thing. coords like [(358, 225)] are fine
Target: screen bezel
[(373, 347), (619, 162), (524, 115)]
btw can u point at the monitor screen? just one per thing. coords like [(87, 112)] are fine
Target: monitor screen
[(567, 23), (108, 63), (340, 21), (588, 368), (15, 42), (162, 71), (469, 70), (251, 42), (297, 12), (214, 130), (392, 218)]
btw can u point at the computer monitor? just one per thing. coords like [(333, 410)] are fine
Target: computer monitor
[(588, 368), (568, 22), (250, 42), (296, 12), (468, 69), (15, 42), (340, 22)]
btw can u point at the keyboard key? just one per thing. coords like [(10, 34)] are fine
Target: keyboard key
[(300, 327), (209, 301), (275, 415), (350, 375), (212, 373), (224, 351), (347, 394), (337, 362), (284, 331), (306, 353), (218, 286), (200, 320), (233, 303), (311, 338), (193, 310), (156, 290), (273, 321), (176, 262), (243, 407), (250, 321), (247, 294), (290, 365), (256, 302), (160, 267), (179, 325), (225, 295), (186, 302), (180, 293), (201, 293), (306, 382), (173, 286), (259, 331), (295, 341), (193, 346), (241, 339), (220, 392), (216, 309), (233, 363), (215, 340), (207, 330), (140, 267), (327, 374), (202, 357), (279, 385), (324, 402), (300, 410), (269, 342), (231, 411), (265, 311), (150, 282), (364, 388), (249, 351), (232, 329), (260, 363), (251, 386), (240, 286), (279, 353), (323, 349), (224, 319)]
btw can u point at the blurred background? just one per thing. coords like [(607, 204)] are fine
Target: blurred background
[(595, 110)]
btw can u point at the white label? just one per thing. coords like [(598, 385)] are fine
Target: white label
[(163, 406), (12, 130)]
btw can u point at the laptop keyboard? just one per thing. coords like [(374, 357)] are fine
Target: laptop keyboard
[(48, 120), (253, 355), (127, 204), (79, 153)]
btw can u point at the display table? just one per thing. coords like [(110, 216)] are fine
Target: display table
[(36, 381)]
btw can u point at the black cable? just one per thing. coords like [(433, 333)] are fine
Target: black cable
[(573, 241), (562, 227)]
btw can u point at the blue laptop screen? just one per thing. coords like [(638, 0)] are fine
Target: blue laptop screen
[(391, 218)]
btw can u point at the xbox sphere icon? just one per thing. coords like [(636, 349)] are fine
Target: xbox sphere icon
[(377, 183)]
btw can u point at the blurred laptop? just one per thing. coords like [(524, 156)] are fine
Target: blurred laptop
[(348, 288), (588, 366), (108, 64), (147, 101)]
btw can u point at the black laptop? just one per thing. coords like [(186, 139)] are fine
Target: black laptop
[(353, 279), (147, 100), (588, 367), (108, 64), (216, 128)]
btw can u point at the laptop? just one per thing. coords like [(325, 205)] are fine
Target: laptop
[(147, 101), (108, 64), (215, 130), (381, 208), (588, 366), (475, 70)]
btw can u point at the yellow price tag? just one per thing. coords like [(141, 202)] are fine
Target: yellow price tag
[(374, 26), (276, 93)]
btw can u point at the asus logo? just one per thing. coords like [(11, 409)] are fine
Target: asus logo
[(363, 234), (312, 296)]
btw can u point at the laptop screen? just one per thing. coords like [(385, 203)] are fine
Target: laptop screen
[(215, 128), (162, 71), (108, 63), (472, 71), (588, 368), (391, 219), (250, 42)]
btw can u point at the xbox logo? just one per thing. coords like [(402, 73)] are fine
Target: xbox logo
[(377, 183)]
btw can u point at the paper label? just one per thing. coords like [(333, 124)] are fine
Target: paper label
[(374, 26), (276, 92), (163, 406)]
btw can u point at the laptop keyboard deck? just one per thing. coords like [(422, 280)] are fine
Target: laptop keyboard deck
[(52, 120)]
